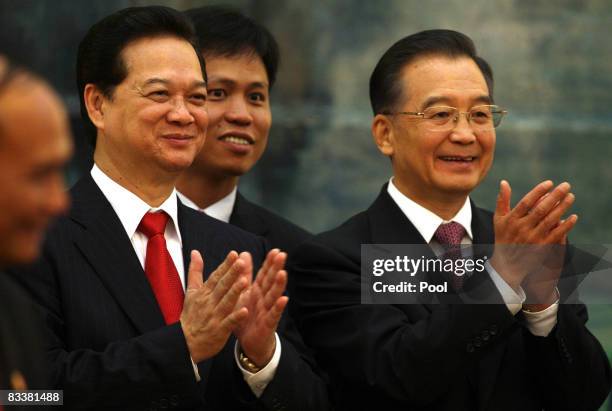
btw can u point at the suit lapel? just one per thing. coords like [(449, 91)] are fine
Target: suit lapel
[(245, 216), (108, 249)]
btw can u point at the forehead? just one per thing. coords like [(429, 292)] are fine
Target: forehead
[(447, 78), (245, 67), (33, 122), (163, 57)]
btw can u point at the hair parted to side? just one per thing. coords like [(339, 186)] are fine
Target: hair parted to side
[(223, 31), (99, 59), (385, 81)]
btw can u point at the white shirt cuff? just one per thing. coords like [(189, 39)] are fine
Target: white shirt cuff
[(195, 370), (541, 323), (514, 301), (260, 380)]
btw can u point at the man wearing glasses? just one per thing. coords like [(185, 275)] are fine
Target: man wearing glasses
[(435, 118)]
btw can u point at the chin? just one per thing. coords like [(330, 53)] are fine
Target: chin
[(20, 253)]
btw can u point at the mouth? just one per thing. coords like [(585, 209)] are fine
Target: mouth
[(178, 136), (238, 139), (458, 159)]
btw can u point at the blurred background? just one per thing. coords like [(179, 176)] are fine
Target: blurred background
[(553, 72)]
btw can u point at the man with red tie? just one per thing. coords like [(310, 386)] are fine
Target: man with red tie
[(149, 304)]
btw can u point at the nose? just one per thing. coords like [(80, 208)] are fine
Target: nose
[(180, 114), (57, 200), (238, 112), (462, 132)]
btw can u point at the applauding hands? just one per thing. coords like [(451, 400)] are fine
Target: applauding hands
[(230, 301), (530, 238)]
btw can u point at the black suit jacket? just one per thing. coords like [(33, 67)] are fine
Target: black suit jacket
[(109, 346), (279, 232), (21, 349), (434, 357)]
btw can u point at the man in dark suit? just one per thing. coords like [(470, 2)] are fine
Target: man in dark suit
[(35, 144), (241, 63), (129, 326), (435, 118)]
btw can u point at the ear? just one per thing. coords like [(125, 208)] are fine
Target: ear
[(94, 102), (382, 132)]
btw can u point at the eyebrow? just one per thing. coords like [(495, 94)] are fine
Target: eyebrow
[(156, 80), (228, 82), (484, 99)]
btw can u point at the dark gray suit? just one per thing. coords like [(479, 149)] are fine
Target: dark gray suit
[(434, 357), (109, 346)]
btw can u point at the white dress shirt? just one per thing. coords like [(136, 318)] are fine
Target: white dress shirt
[(539, 323), (131, 209), (222, 210)]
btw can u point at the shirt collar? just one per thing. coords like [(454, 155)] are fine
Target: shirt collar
[(130, 208), (221, 210), (424, 220)]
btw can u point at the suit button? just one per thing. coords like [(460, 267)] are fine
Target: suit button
[(485, 335), (469, 347), (493, 329), (477, 342)]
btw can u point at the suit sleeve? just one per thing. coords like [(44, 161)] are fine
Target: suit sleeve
[(569, 366), (298, 383), (414, 354)]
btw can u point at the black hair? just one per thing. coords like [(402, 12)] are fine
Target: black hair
[(385, 84), (99, 59), (224, 31)]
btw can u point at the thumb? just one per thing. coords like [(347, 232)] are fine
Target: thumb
[(195, 275), (502, 206), (245, 256)]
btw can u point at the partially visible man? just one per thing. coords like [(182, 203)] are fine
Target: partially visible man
[(435, 118), (35, 145), (129, 326), (241, 63)]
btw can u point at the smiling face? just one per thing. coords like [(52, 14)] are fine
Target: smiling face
[(240, 116), (155, 121), (431, 166), (35, 145)]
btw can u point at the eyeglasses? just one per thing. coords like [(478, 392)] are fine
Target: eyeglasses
[(438, 118)]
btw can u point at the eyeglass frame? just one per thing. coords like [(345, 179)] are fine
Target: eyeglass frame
[(467, 114)]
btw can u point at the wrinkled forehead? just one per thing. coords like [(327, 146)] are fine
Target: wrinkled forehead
[(437, 79), (161, 56)]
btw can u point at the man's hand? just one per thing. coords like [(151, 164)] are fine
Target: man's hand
[(525, 235), (265, 303), (210, 311)]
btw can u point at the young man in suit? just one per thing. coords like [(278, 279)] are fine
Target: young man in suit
[(432, 98), (241, 62), (35, 145), (130, 327)]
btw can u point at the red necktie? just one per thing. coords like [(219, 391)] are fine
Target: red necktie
[(449, 236), (160, 269)]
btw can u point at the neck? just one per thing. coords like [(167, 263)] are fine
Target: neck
[(151, 186), (203, 189), (444, 205)]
